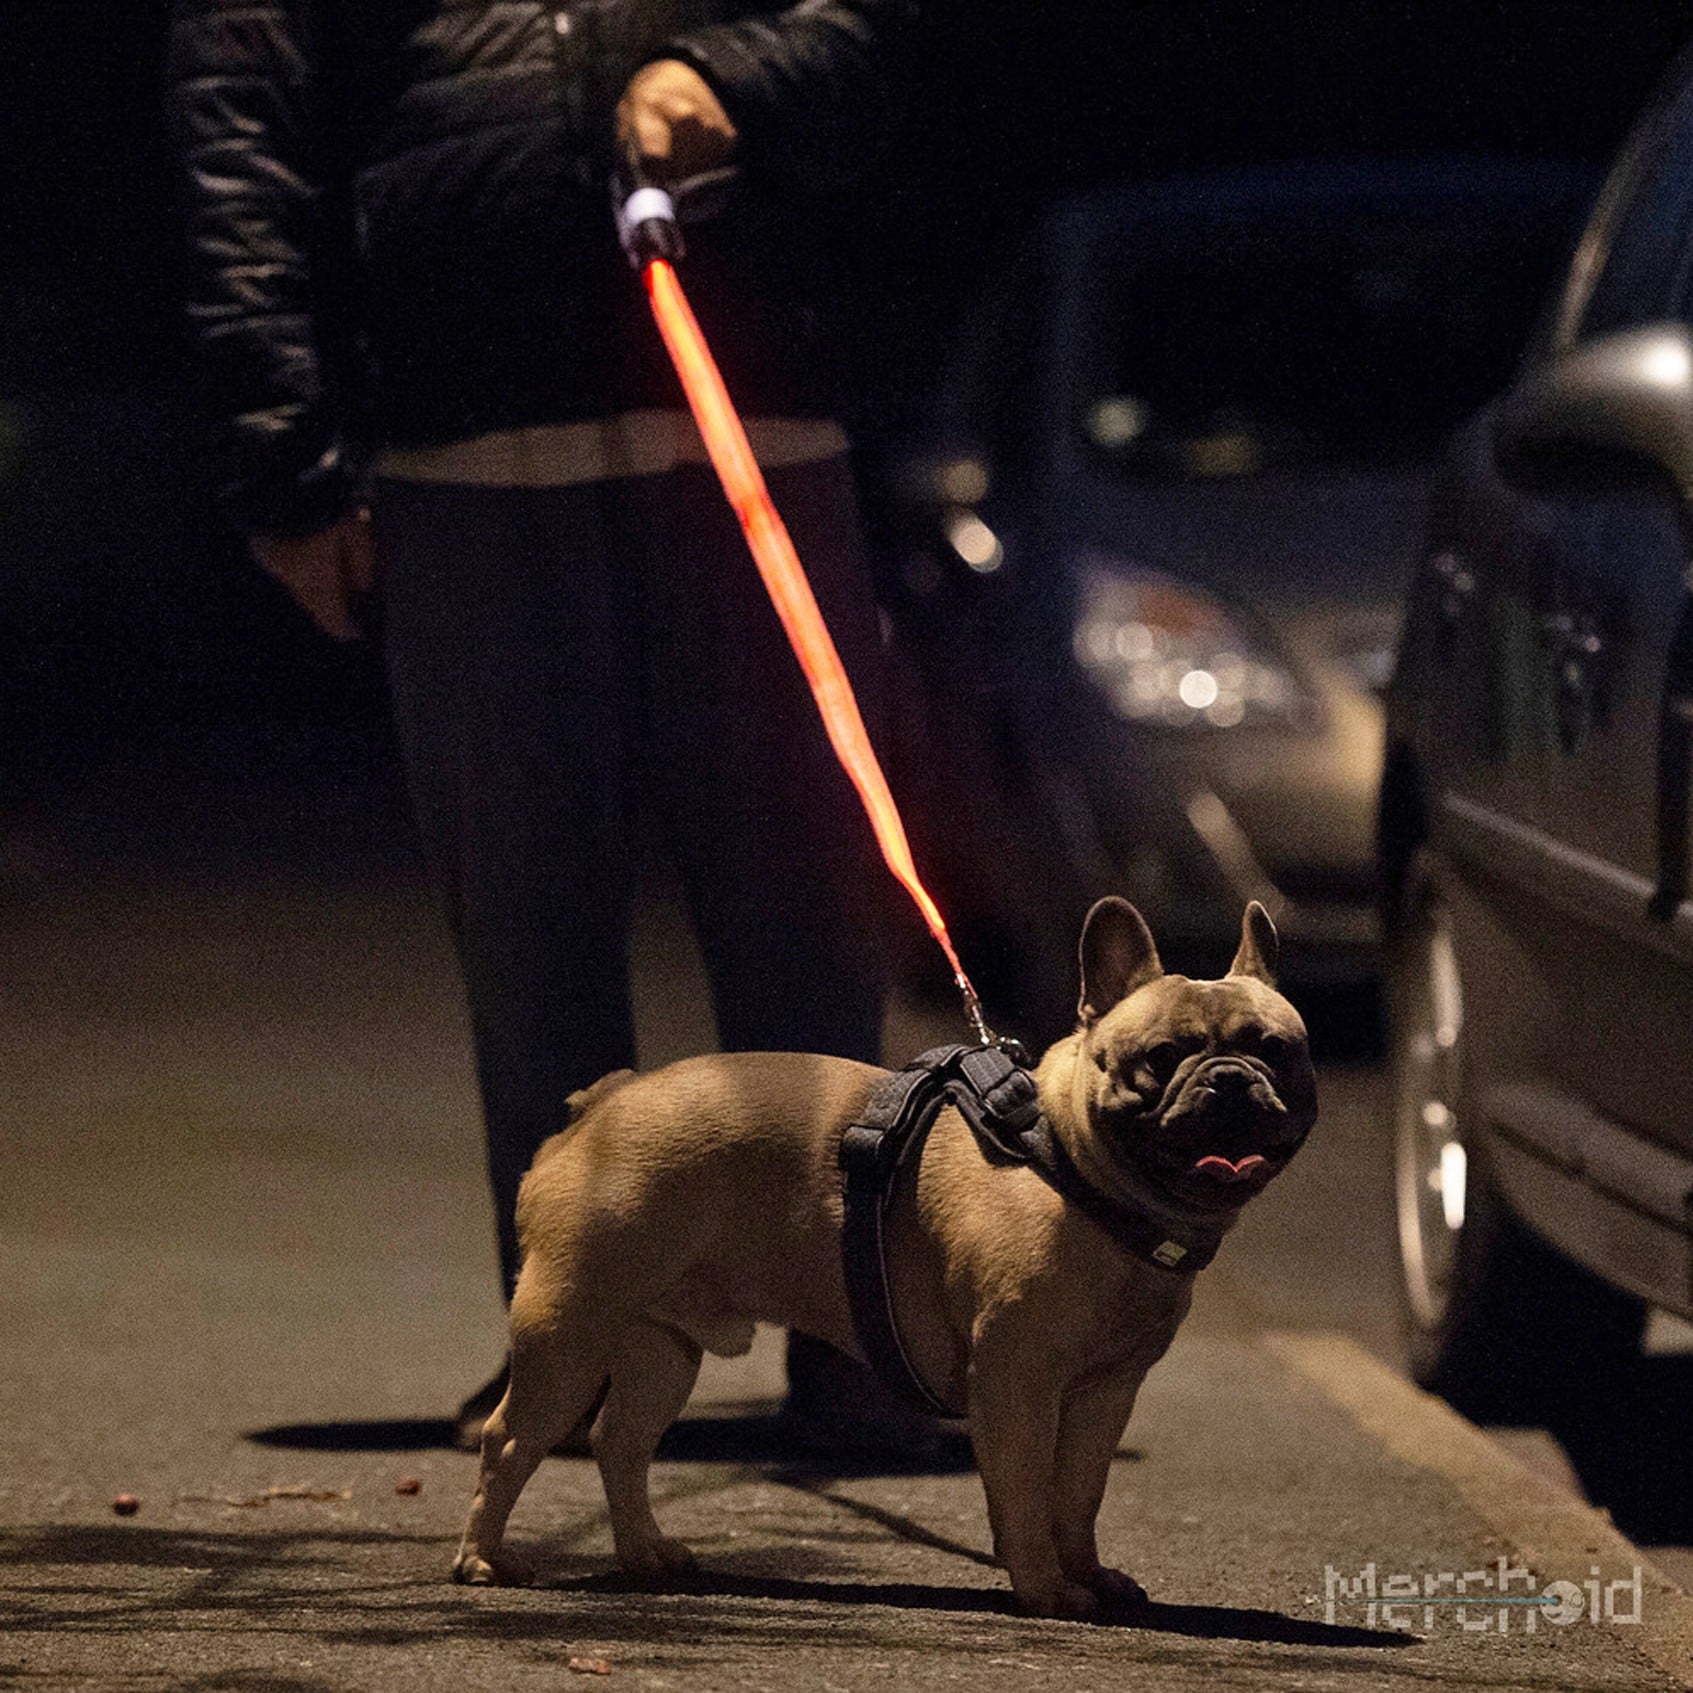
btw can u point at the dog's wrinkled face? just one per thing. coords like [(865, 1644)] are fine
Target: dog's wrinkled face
[(1203, 1087)]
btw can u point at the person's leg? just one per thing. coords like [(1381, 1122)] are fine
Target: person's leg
[(782, 869), (515, 685), (779, 862)]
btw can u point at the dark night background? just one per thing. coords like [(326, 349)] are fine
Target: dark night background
[(140, 659)]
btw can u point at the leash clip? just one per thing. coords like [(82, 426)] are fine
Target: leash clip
[(985, 1036)]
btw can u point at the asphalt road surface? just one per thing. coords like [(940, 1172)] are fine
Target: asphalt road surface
[(246, 1269)]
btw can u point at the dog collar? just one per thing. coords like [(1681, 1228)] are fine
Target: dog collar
[(998, 1098)]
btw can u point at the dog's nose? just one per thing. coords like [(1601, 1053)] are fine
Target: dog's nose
[(1230, 1078)]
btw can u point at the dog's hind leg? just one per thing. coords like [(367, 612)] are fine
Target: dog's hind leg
[(651, 1378), (554, 1382)]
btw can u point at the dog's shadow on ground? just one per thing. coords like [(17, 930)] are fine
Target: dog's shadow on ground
[(1200, 1622), (759, 1438)]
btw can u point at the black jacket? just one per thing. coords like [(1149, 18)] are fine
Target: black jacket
[(399, 226)]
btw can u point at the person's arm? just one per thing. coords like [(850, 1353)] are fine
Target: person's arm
[(811, 92), (243, 106)]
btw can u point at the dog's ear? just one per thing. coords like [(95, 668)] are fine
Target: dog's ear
[(1118, 955), (1260, 950)]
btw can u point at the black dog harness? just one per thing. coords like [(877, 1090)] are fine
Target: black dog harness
[(996, 1096)]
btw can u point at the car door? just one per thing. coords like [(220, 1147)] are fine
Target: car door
[(1617, 650), (1543, 623), (1575, 937)]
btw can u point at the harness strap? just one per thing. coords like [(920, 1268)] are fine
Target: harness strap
[(999, 1100), (896, 1123)]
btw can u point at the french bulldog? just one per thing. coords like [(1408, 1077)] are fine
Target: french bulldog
[(677, 1209)]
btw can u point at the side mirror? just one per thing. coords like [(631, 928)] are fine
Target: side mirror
[(1607, 412)]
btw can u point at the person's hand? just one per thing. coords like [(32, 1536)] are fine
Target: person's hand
[(325, 572), (674, 122)]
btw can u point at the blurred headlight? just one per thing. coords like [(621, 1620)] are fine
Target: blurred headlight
[(974, 542), (1163, 651)]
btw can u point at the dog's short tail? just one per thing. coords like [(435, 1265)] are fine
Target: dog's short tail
[(586, 1098), (580, 1103)]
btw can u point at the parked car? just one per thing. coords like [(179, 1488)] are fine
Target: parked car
[(1534, 830), (1154, 552)]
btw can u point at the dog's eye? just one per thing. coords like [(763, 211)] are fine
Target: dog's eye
[(1263, 1043), (1162, 1059)]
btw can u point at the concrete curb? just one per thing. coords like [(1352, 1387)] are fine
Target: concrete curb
[(1544, 1526)]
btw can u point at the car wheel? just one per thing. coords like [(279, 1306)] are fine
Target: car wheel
[(1496, 1321)]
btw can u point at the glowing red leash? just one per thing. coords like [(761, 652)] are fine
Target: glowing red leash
[(785, 581)]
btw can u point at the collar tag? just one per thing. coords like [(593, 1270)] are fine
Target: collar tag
[(1169, 1252)]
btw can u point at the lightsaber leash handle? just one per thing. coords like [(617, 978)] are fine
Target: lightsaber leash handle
[(647, 227), (647, 223)]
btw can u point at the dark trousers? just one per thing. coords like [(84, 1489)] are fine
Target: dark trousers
[(572, 665)]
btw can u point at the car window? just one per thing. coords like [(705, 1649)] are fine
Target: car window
[(1356, 339), (1631, 265)]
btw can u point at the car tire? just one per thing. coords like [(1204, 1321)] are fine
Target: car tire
[(1496, 1321)]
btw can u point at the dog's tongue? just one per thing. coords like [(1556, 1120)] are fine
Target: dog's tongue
[(1222, 1169)]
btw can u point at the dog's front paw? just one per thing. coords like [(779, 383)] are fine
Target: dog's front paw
[(504, 1569), (656, 1563), (1117, 1591)]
